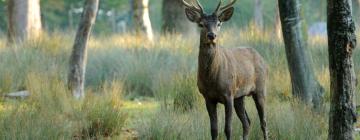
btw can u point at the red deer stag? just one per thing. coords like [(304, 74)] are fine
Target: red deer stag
[(227, 75)]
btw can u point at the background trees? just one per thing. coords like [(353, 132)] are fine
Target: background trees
[(24, 19), (57, 13), (304, 83), (174, 19), (258, 14), (78, 59), (141, 19), (342, 41)]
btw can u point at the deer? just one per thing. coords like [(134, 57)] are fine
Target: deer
[(227, 75)]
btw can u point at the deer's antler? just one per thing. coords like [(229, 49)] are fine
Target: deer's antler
[(199, 8), (218, 7), (229, 5), (221, 8)]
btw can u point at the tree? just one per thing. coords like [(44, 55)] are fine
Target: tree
[(24, 20), (141, 19), (277, 28), (304, 84), (174, 19), (258, 14), (76, 77), (341, 41)]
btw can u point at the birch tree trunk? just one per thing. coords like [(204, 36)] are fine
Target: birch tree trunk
[(24, 19), (342, 41), (278, 31), (174, 19), (141, 19), (258, 14), (76, 77), (304, 84)]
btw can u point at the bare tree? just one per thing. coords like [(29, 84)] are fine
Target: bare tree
[(141, 19), (258, 14), (342, 41), (24, 20), (304, 84), (78, 57), (174, 19)]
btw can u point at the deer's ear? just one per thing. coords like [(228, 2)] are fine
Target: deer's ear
[(226, 14), (193, 16)]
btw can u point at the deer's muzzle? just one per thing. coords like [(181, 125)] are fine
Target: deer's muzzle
[(211, 36)]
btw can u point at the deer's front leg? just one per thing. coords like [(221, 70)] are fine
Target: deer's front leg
[(228, 117), (211, 108)]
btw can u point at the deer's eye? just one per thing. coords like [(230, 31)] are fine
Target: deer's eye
[(201, 25), (219, 24)]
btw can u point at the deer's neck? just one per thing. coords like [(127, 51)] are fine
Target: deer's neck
[(209, 60)]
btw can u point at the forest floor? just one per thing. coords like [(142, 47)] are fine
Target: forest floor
[(141, 90)]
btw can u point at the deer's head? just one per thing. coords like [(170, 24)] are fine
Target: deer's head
[(209, 23)]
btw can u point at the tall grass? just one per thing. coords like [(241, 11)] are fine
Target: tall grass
[(52, 113), (285, 121), (123, 67)]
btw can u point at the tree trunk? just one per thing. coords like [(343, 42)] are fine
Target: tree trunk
[(304, 84), (112, 20), (78, 57), (278, 24), (174, 19), (342, 41), (141, 19), (24, 20), (258, 15)]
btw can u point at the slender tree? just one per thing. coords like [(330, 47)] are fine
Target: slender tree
[(141, 19), (341, 41), (174, 19), (24, 20), (304, 84), (78, 57)]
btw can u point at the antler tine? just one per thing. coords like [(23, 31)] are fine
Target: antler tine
[(229, 5), (191, 6), (218, 7), (200, 6)]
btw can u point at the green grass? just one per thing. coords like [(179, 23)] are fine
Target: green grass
[(144, 90)]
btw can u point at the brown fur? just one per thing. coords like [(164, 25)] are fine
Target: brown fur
[(235, 71), (227, 75)]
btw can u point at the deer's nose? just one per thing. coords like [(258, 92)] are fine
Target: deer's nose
[(211, 36)]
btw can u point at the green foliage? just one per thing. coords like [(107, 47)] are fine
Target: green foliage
[(186, 93), (55, 13), (52, 113), (103, 115)]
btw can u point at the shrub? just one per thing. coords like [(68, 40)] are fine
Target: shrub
[(186, 92), (104, 117)]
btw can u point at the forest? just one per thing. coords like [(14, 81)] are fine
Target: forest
[(179, 69)]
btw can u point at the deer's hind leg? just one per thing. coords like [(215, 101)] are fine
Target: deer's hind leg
[(243, 116), (259, 98)]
